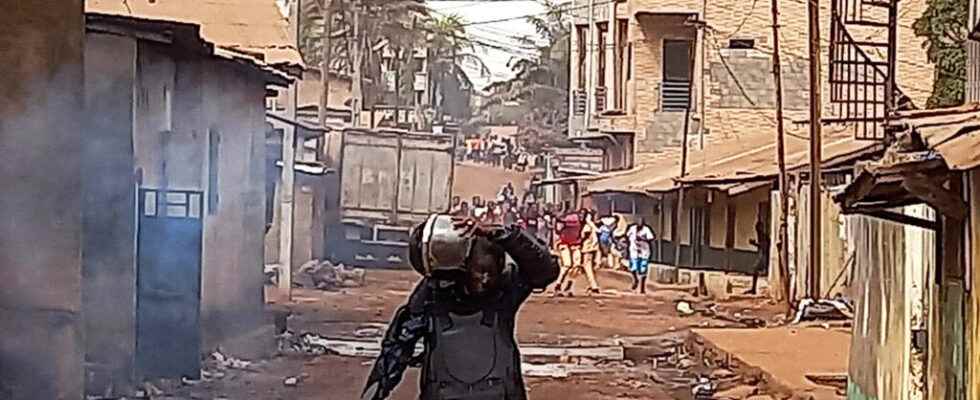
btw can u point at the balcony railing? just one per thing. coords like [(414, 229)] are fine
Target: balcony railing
[(580, 102), (675, 95), (600, 99)]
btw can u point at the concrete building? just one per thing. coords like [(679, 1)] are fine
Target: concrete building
[(728, 80), (638, 64), (41, 349), (175, 184)]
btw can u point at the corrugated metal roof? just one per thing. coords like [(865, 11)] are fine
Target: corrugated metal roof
[(729, 163), (759, 162), (243, 26), (954, 133)]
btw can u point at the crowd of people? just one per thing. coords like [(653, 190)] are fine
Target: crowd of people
[(583, 240), (497, 151)]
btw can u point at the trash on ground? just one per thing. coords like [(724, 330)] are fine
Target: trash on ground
[(703, 389), (835, 309), (684, 308)]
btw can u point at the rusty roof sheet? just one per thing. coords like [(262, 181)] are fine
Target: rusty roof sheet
[(735, 163), (254, 27), (954, 133), (758, 162)]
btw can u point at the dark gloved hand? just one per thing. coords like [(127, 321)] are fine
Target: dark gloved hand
[(493, 233)]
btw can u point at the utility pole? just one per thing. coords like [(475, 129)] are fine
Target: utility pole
[(680, 200), (782, 241), (590, 66), (287, 179), (356, 89), (815, 156), (327, 55)]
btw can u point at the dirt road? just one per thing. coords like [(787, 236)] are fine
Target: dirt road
[(612, 316)]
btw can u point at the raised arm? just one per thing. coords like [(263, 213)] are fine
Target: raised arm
[(408, 326), (535, 264)]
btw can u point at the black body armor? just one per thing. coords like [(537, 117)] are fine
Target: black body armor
[(470, 349)]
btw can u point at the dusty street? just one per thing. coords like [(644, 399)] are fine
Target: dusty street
[(645, 326)]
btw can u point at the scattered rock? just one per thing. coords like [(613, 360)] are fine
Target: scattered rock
[(737, 393), (291, 381)]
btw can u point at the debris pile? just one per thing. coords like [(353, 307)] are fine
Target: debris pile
[(328, 276), (835, 309)]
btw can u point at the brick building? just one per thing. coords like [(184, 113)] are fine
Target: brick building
[(637, 64)]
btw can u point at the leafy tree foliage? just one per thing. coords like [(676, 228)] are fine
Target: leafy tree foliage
[(943, 26)]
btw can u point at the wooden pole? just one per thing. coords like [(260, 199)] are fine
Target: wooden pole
[(356, 86), (815, 157), (782, 240), (325, 61), (680, 194)]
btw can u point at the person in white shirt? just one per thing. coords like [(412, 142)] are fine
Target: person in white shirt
[(639, 236)]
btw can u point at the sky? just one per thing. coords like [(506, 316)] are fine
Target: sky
[(498, 43), (500, 46)]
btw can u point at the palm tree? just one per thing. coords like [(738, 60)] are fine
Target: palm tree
[(390, 21), (451, 53)]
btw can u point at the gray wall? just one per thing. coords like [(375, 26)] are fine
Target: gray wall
[(232, 298), (743, 78), (108, 243), (40, 207), (211, 95)]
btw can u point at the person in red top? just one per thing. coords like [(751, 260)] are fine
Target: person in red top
[(569, 237)]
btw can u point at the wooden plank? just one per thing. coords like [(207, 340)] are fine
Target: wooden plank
[(729, 231), (903, 219)]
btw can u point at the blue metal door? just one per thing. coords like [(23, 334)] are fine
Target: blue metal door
[(168, 281)]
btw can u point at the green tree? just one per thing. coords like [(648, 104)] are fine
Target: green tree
[(943, 26), (381, 21), (540, 84), (451, 53)]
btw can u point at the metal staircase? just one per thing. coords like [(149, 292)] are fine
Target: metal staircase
[(862, 70)]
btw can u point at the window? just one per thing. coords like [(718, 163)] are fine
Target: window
[(741, 44), (623, 205), (582, 35), (603, 30), (167, 110), (675, 90), (622, 34), (214, 141), (677, 60), (629, 62)]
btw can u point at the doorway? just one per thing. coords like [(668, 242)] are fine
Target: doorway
[(678, 65), (168, 284)]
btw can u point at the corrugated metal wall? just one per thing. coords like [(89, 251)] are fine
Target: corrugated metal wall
[(895, 262)]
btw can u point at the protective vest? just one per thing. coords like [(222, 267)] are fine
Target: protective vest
[(472, 357)]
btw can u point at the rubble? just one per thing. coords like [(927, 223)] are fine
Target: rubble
[(835, 309), (684, 308), (704, 389), (740, 392), (328, 276), (221, 362)]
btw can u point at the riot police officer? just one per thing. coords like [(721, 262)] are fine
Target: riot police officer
[(475, 279)]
